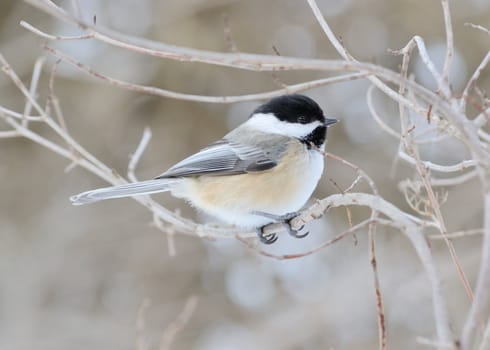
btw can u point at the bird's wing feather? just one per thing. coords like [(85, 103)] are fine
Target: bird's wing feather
[(222, 158)]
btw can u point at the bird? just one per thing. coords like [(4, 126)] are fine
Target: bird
[(263, 171)]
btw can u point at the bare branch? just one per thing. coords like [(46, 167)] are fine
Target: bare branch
[(141, 341), (179, 323), (377, 118), (133, 162), (36, 73), (479, 27), (485, 343), (20, 116), (418, 42), (230, 43), (472, 82), (9, 134), (454, 181), (434, 343), (465, 164), (377, 288), (459, 234), (45, 35), (444, 82), (76, 9)]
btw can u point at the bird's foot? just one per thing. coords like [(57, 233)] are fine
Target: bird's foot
[(295, 233), (286, 220), (266, 238)]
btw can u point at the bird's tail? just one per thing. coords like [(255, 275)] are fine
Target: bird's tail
[(127, 190)]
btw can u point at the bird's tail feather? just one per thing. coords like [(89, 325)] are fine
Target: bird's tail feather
[(131, 189)]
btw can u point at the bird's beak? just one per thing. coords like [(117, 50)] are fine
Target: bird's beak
[(330, 121)]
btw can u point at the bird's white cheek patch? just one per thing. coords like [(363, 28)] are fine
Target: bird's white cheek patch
[(270, 124)]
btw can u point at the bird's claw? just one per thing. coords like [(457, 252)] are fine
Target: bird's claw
[(266, 238), (295, 233)]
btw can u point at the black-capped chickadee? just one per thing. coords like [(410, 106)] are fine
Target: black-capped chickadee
[(263, 171)]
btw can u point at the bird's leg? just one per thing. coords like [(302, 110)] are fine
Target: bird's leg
[(286, 219)]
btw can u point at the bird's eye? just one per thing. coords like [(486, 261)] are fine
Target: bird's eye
[(302, 119)]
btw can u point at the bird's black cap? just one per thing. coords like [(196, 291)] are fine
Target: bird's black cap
[(293, 109)]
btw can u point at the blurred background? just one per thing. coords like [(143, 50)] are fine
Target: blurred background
[(75, 277)]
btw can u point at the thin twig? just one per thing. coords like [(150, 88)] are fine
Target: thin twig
[(377, 288), (359, 171), (76, 9), (465, 164), (45, 35), (36, 74), (53, 99), (354, 183), (135, 158), (482, 119), (20, 116), (418, 42), (458, 234), (169, 230), (485, 343), (479, 27), (141, 339), (55, 103), (444, 83), (472, 82), (179, 323), (377, 118), (454, 181), (230, 43), (9, 134), (434, 343)]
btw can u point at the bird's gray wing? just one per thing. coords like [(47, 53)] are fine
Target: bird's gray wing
[(223, 157)]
